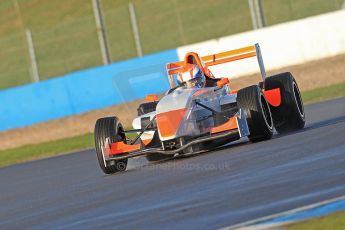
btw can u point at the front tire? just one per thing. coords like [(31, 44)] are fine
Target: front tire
[(290, 115), (109, 128), (259, 119)]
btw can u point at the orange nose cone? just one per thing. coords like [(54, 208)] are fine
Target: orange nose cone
[(169, 122)]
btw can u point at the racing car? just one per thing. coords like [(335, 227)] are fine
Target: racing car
[(200, 112)]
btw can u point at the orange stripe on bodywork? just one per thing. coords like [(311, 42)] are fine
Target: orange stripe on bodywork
[(214, 57), (152, 98), (121, 147), (273, 97), (231, 59), (234, 91), (175, 65), (173, 68), (169, 122), (229, 125), (146, 141), (223, 82), (198, 62), (200, 92), (174, 71)]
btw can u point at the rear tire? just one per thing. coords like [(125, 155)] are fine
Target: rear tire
[(259, 119), (290, 115), (109, 127)]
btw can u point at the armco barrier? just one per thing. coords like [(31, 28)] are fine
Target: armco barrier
[(85, 90), (284, 44)]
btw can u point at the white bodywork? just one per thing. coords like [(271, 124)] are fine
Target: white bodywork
[(183, 98)]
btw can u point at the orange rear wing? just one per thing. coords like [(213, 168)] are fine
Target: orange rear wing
[(221, 58)]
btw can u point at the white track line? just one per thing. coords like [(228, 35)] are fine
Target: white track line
[(291, 211)]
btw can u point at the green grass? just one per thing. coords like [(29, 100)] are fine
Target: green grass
[(65, 36), (47, 149), (38, 151), (278, 11), (44, 150), (324, 93), (334, 221)]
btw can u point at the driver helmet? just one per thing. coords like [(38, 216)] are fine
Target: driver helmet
[(191, 76)]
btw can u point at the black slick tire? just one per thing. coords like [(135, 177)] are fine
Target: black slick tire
[(290, 115), (253, 102), (109, 128)]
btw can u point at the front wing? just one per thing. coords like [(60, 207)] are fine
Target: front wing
[(235, 126)]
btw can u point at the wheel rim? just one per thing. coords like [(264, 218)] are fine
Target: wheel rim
[(298, 99), (267, 112)]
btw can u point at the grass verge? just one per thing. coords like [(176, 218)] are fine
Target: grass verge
[(324, 93), (58, 147), (333, 221), (44, 150)]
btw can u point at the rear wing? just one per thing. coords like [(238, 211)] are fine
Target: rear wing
[(221, 58)]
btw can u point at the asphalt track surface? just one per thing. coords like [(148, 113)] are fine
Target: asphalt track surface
[(227, 186)]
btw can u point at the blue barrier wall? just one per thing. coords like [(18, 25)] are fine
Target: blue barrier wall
[(84, 90)]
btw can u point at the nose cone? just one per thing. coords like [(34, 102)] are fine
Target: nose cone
[(168, 123), (171, 111)]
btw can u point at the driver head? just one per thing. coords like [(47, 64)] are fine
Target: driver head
[(191, 76)]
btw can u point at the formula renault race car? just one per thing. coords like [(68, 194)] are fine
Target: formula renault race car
[(192, 118)]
